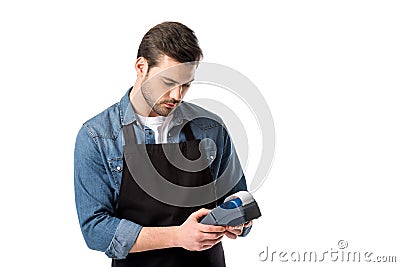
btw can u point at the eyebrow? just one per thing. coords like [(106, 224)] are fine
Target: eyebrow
[(173, 81)]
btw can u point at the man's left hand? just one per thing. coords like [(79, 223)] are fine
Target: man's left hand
[(234, 231)]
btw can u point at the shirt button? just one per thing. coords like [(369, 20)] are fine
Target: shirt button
[(118, 168), (212, 157)]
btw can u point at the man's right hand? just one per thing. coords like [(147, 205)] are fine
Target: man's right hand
[(192, 235)]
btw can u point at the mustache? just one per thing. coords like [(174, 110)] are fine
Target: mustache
[(172, 101)]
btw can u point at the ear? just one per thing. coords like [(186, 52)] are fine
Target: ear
[(141, 67)]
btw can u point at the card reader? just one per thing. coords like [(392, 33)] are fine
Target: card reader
[(237, 209)]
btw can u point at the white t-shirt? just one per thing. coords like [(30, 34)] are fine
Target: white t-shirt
[(159, 125)]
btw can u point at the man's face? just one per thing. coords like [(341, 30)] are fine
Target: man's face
[(166, 84)]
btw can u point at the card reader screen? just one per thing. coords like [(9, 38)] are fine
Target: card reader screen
[(234, 203)]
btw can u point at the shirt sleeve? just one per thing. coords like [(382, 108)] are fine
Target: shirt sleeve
[(231, 167), (95, 204)]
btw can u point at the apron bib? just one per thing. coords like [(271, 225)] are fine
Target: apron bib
[(136, 205)]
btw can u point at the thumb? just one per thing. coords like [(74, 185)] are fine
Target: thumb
[(197, 215)]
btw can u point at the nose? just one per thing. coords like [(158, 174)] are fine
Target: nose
[(176, 92)]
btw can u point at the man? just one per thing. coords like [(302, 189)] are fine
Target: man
[(121, 151)]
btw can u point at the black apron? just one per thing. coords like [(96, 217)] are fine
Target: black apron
[(136, 205)]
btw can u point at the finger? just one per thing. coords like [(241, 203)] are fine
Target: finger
[(249, 223), (212, 236), (211, 242), (199, 214), (212, 228), (238, 227), (230, 235), (235, 231)]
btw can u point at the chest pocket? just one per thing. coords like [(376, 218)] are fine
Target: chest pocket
[(116, 166)]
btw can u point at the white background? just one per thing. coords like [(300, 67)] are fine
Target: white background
[(329, 71)]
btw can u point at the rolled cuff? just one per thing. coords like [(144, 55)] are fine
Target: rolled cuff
[(246, 231), (124, 238)]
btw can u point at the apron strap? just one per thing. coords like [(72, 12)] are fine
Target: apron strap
[(188, 131), (129, 134)]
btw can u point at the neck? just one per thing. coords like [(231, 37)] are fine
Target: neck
[(139, 103)]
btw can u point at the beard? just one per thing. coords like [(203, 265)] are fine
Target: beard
[(155, 103)]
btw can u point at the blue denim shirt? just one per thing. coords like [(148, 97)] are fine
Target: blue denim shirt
[(98, 170)]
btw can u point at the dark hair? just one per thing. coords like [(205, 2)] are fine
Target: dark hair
[(172, 39)]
